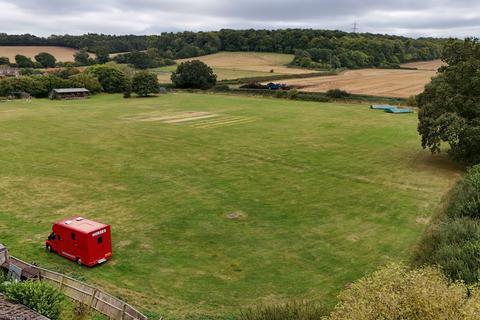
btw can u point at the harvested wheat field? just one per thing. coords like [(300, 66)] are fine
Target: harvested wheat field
[(60, 53), (235, 65), (375, 82), (425, 65), (251, 61)]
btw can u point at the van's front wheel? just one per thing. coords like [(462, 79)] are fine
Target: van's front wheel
[(49, 248), (79, 261)]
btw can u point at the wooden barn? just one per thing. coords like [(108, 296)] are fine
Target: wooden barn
[(69, 93)]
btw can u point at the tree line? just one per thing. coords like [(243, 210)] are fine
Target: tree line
[(313, 48)]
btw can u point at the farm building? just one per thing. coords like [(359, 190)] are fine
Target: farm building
[(7, 71), (69, 93)]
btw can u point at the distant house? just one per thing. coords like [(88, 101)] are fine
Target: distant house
[(7, 71), (69, 93)]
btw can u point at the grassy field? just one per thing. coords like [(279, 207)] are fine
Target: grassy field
[(60, 53), (235, 65), (218, 202)]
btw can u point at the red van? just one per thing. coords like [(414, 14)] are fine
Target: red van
[(85, 241)]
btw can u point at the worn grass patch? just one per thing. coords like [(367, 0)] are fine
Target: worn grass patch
[(295, 200)]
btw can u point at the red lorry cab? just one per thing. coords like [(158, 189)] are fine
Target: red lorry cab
[(84, 241)]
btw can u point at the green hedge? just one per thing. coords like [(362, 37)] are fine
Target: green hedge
[(38, 296), (453, 242)]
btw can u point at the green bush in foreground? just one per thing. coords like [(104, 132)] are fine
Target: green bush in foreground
[(37, 295), (396, 292)]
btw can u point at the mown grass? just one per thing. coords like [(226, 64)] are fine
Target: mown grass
[(325, 192)]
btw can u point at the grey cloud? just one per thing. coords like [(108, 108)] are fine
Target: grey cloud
[(410, 17)]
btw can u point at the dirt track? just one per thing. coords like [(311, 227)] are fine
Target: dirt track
[(377, 82)]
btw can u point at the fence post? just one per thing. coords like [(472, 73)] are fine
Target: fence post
[(93, 298), (61, 283), (124, 310)]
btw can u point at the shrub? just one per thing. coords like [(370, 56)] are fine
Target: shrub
[(194, 75), (455, 246), (396, 292), (291, 310), (292, 94), (112, 79), (88, 81), (31, 85), (4, 61), (38, 296), (145, 83), (465, 199), (222, 88), (337, 94)]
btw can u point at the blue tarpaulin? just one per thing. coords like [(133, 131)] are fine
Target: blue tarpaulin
[(390, 109)]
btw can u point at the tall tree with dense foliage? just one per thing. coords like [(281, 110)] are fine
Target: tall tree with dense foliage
[(46, 59), (450, 105), (145, 83), (194, 74), (111, 79), (82, 58), (23, 61)]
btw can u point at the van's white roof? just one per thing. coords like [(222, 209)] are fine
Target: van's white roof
[(81, 224)]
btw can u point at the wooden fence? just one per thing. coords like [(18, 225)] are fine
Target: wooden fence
[(84, 293)]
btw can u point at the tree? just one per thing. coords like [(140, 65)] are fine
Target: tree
[(194, 74), (145, 83), (4, 61), (46, 59), (450, 105), (88, 81), (82, 58), (111, 79), (102, 55), (24, 62)]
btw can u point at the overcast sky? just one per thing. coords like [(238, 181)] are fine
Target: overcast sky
[(459, 18)]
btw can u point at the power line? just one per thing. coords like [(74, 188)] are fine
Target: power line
[(355, 26)]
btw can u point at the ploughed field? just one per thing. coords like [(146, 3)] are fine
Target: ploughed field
[(236, 65), (218, 202), (60, 53), (397, 83)]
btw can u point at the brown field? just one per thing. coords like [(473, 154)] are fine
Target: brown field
[(60, 53), (375, 82), (425, 65), (250, 61)]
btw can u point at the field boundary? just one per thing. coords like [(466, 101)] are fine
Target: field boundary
[(84, 293)]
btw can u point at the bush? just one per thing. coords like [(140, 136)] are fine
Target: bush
[(465, 199), (37, 295), (31, 85), (88, 81), (291, 310), (194, 75), (111, 79), (145, 83), (24, 62), (337, 94), (396, 292), (292, 94)]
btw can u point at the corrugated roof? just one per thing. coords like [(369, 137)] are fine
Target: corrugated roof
[(9, 310), (71, 90)]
